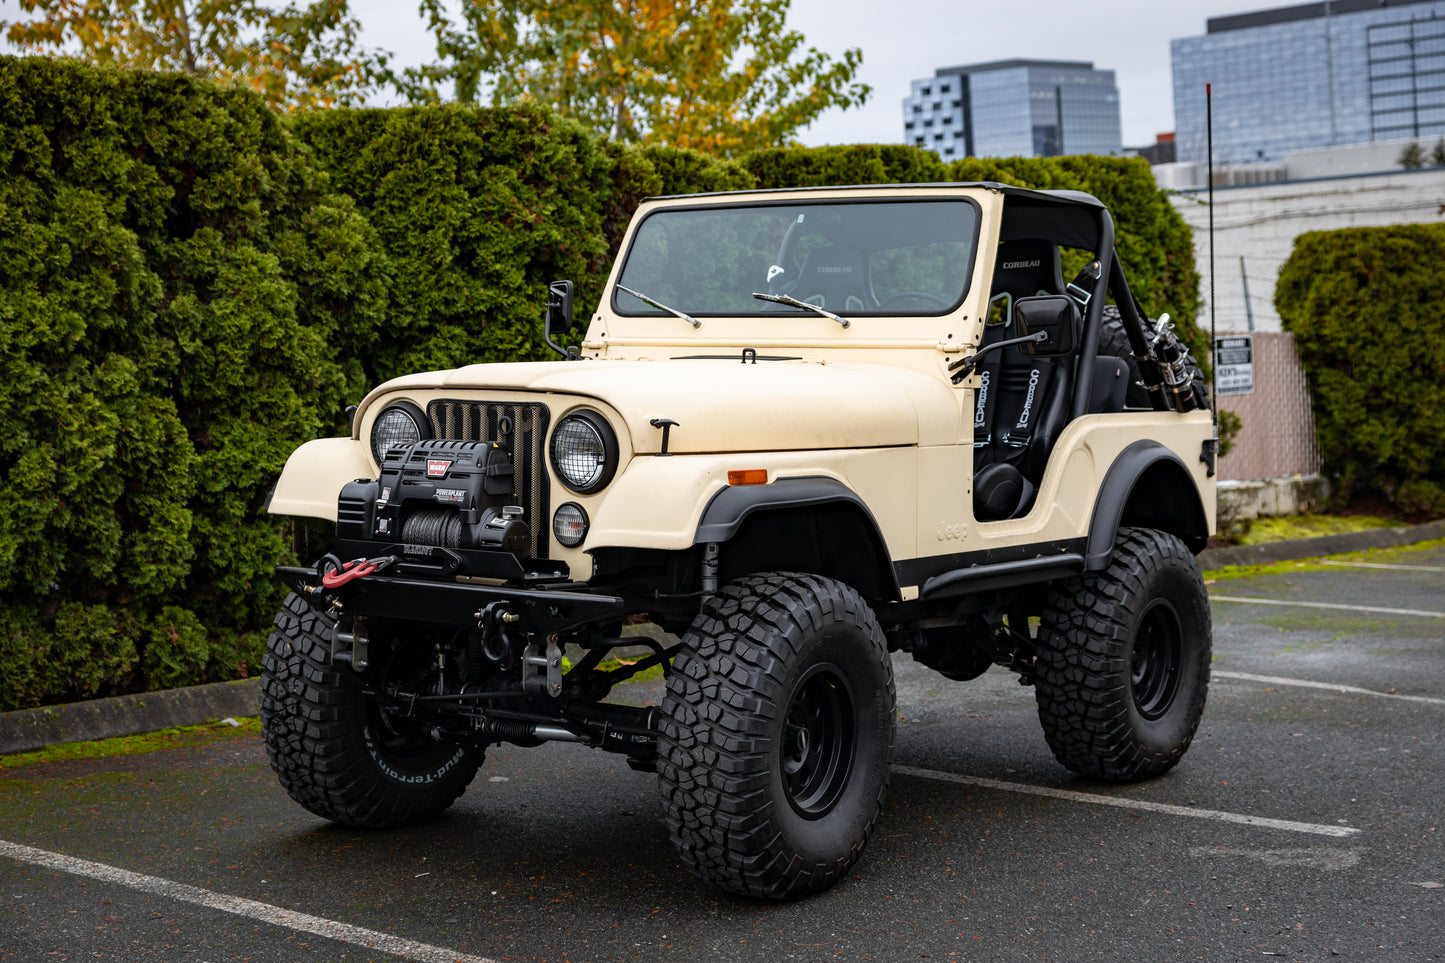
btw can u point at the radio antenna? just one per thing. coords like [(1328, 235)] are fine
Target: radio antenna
[(1213, 366)]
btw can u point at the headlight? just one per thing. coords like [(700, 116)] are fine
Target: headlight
[(399, 424), (570, 524), (584, 451)]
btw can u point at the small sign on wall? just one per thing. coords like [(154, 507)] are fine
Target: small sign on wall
[(1234, 365)]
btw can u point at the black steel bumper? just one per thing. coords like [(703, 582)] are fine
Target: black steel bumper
[(538, 609)]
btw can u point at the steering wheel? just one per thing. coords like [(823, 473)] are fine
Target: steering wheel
[(922, 295)]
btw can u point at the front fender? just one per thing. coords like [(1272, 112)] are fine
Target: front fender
[(314, 476)]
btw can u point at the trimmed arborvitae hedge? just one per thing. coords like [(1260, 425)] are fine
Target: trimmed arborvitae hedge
[(476, 210), (191, 286), (158, 362), (1365, 306)]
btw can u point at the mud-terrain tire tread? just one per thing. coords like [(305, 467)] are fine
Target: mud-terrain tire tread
[(314, 725), (716, 757), (1083, 662)]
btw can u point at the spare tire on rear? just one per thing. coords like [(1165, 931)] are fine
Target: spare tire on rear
[(1114, 342)]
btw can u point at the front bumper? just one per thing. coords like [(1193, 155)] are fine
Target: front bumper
[(539, 609)]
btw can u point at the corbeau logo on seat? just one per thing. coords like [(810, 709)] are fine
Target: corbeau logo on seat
[(1015, 265), (437, 467)]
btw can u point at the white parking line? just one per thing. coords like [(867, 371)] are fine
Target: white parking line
[(239, 906), (1328, 686), (1388, 565), (1326, 605), (1318, 829)]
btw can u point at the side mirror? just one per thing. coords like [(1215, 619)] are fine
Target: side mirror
[(1056, 316), (559, 306), (559, 317)]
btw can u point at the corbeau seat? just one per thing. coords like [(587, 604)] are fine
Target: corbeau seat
[(835, 278)]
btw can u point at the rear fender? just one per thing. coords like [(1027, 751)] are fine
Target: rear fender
[(1147, 486)]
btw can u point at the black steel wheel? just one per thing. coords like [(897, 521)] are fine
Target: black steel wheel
[(1122, 667), (335, 751), (819, 741), (776, 734)]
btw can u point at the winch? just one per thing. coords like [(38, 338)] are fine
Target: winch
[(450, 494)]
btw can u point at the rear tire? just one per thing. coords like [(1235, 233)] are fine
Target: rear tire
[(776, 736), (334, 750), (1122, 663)]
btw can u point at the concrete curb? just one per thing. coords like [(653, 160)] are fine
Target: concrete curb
[(1323, 545), (30, 729)]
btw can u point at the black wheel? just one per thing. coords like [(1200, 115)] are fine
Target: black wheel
[(1114, 342), (776, 736), (334, 750), (1122, 666)]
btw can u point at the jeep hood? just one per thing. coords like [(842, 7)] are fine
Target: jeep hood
[(725, 405)]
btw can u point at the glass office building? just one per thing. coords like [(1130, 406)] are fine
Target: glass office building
[(1312, 75), (1011, 108)]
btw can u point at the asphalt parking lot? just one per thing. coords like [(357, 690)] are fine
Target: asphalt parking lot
[(1304, 824)]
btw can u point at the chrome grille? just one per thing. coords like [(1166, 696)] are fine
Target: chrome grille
[(482, 421)]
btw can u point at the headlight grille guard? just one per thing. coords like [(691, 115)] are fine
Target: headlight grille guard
[(519, 426)]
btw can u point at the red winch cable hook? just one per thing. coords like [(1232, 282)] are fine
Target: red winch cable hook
[(354, 569)]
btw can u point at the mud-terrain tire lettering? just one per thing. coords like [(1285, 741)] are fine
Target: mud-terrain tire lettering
[(331, 746)]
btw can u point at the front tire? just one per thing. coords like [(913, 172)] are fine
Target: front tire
[(334, 750), (776, 736), (1122, 664)]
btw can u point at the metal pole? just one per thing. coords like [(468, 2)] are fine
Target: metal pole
[(1244, 279)]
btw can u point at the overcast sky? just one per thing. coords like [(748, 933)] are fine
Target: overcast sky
[(905, 39)]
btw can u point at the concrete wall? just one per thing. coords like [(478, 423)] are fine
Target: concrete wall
[(1259, 223)]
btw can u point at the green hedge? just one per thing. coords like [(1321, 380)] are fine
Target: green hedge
[(191, 286), (158, 362), (475, 210), (1366, 308)]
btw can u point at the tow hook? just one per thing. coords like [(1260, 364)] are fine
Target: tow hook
[(334, 573)]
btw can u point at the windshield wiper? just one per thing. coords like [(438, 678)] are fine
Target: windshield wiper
[(795, 303), (661, 307)]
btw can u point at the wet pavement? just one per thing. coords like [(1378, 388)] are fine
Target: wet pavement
[(1304, 824)]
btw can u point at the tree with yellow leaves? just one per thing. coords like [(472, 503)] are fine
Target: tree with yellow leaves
[(298, 57), (724, 76)]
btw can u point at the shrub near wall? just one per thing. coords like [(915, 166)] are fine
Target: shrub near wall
[(157, 365), (1367, 309)]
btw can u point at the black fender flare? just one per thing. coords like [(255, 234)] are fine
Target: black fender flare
[(1180, 510), (728, 510)]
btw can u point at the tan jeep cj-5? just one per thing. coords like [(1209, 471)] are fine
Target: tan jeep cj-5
[(805, 430)]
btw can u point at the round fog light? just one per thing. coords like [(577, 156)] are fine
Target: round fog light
[(569, 524)]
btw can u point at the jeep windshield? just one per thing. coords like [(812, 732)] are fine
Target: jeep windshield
[(908, 258)]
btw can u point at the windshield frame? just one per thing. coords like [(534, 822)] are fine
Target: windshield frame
[(794, 201)]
